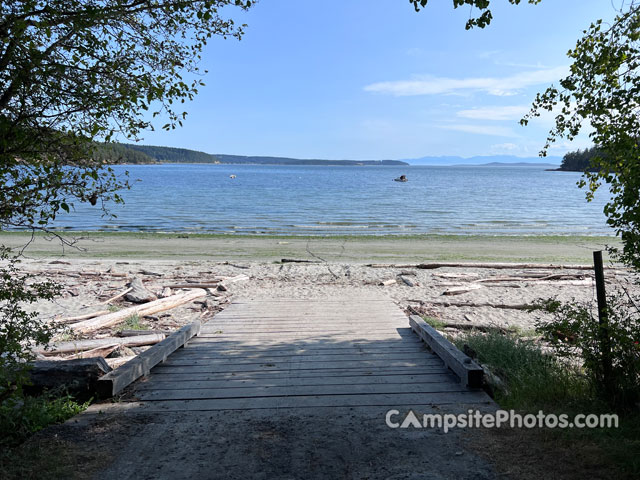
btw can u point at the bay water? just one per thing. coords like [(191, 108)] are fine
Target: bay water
[(324, 200)]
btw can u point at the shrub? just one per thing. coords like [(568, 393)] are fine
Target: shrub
[(574, 332)]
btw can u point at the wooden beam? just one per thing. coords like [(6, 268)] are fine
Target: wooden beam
[(116, 381), (467, 370), (78, 376)]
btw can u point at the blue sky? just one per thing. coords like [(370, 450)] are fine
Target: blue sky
[(373, 79)]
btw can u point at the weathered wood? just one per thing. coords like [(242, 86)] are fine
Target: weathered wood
[(229, 280), (549, 266), (435, 265), (118, 361), (293, 260), (78, 318), (137, 333), (467, 370), (78, 377), (115, 297), (300, 353), (515, 306), (83, 345), (461, 290), (386, 283), (166, 292), (408, 282), (123, 376), (212, 284), (150, 308), (138, 293), (173, 382), (96, 352)]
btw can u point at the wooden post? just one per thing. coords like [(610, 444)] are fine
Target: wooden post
[(603, 320)]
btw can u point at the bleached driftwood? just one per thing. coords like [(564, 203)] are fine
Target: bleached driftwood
[(115, 297), (117, 361), (83, 345), (533, 266), (96, 352), (386, 283), (522, 306), (78, 318), (461, 290), (150, 308), (213, 284)]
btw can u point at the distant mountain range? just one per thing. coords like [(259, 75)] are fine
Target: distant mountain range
[(489, 161), (140, 154)]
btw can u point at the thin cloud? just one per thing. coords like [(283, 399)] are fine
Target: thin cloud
[(490, 130), (431, 85), (510, 112)]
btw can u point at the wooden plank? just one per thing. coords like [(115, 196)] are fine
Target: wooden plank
[(297, 366), (283, 331), (350, 355), (185, 374), (391, 400), (239, 360), (469, 372), (115, 381), (175, 382), (251, 352), (295, 391), (282, 375)]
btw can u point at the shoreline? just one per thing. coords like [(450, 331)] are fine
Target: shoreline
[(343, 249)]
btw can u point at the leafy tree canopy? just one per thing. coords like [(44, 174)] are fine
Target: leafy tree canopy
[(602, 91), (72, 71), (485, 16)]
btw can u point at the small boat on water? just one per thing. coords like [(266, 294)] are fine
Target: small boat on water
[(232, 176), (401, 178)]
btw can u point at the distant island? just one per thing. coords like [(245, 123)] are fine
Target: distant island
[(580, 161), (113, 153)]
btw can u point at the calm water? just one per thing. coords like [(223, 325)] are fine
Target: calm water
[(348, 200)]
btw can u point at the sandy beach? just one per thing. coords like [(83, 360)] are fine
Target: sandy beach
[(458, 298)]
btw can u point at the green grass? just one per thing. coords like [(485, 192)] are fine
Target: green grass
[(20, 417), (434, 322), (132, 322), (535, 380)]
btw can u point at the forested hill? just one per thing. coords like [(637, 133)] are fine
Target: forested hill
[(580, 160), (127, 153)]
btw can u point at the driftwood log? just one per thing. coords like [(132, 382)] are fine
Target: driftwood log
[(429, 266), (82, 345), (145, 309), (461, 290), (78, 318)]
